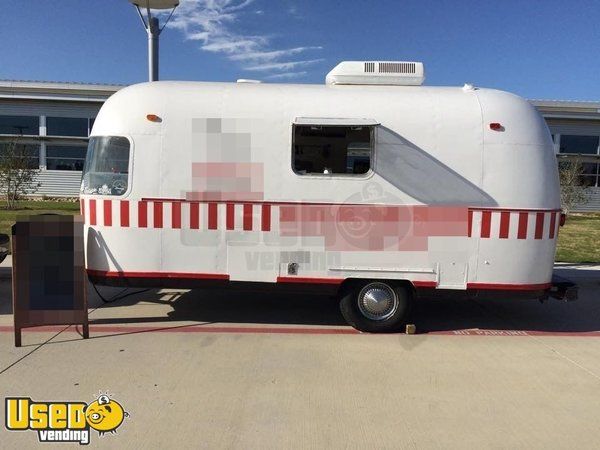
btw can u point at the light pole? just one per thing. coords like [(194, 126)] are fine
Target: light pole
[(152, 27)]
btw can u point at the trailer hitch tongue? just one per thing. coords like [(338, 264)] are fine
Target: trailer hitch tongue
[(563, 289)]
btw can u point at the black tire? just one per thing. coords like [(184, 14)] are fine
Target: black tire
[(354, 315)]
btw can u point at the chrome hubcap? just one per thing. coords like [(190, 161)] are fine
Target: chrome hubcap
[(377, 301)]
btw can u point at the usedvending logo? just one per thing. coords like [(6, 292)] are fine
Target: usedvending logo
[(64, 421)]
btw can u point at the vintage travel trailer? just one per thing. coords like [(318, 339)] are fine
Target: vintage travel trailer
[(370, 186)]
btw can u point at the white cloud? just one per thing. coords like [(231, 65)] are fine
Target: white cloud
[(271, 55), (286, 75), (283, 65), (214, 24)]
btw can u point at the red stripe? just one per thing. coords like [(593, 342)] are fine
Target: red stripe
[(194, 216), (158, 215), (176, 215), (92, 212), (247, 216), (509, 287), (230, 216), (504, 224), (470, 223), (310, 280), (82, 208), (181, 275), (124, 213), (552, 225), (474, 208), (195, 328), (486, 224), (539, 225), (265, 224), (142, 214), (202, 328), (424, 284), (513, 333), (491, 208), (522, 232), (212, 216), (107, 213)]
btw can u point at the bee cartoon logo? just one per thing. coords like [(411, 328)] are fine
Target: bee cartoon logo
[(65, 421)]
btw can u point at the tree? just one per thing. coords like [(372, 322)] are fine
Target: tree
[(18, 172), (571, 191)]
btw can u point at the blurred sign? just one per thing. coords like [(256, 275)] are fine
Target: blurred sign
[(48, 272)]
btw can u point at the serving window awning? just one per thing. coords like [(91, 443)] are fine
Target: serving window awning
[(336, 121)]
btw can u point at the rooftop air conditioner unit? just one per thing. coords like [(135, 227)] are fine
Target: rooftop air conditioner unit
[(397, 73)]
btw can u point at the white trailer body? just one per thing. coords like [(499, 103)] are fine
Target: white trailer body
[(440, 187)]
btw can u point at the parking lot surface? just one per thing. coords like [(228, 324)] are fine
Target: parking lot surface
[(215, 369)]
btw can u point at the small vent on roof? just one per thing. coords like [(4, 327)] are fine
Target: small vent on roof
[(397, 67), (395, 73)]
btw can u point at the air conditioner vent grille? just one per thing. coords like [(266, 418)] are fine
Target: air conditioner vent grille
[(397, 67), (369, 67)]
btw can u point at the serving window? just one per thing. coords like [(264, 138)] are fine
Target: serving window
[(332, 146)]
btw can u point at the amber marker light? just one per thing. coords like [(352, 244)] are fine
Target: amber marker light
[(153, 118)]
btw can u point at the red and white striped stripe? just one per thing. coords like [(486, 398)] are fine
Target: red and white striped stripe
[(169, 214), (236, 216), (513, 224)]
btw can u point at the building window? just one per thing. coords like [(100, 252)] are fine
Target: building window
[(589, 175), (65, 157), (326, 149), (29, 151), (20, 125), (67, 126), (585, 145)]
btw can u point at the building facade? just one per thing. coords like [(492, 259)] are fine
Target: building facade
[(53, 122)]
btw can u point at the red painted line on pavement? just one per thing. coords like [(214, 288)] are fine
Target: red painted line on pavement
[(514, 333), (188, 329), (199, 328)]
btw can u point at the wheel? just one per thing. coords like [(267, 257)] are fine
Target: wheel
[(375, 306)]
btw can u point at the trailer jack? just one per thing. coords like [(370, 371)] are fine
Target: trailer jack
[(562, 289)]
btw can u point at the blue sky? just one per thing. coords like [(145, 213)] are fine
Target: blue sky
[(537, 49)]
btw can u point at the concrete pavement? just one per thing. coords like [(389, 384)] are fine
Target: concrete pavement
[(213, 369)]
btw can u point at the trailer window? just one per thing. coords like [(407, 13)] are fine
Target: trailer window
[(331, 149), (106, 169)]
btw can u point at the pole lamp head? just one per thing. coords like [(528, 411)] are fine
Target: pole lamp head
[(153, 28), (155, 4)]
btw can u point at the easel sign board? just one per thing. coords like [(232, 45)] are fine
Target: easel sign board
[(48, 272)]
